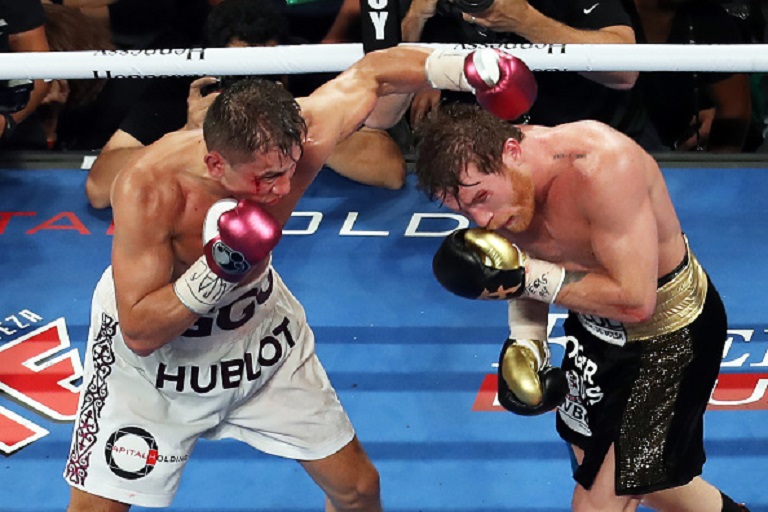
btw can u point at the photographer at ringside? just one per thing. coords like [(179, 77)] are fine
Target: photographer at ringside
[(21, 30), (563, 96)]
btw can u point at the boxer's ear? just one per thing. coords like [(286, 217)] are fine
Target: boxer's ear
[(215, 163)]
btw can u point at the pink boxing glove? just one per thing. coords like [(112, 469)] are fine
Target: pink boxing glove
[(237, 235), (503, 84)]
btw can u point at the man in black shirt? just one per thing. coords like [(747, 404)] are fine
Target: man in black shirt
[(563, 96), (692, 111), (21, 30)]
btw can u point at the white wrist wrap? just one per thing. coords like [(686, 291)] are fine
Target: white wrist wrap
[(527, 319), (528, 326), (445, 70), (199, 289), (543, 280)]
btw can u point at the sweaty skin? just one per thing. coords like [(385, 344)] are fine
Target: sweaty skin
[(159, 204), (600, 208), (160, 200)]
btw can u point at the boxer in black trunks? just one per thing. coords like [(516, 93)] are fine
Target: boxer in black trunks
[(579, 215)]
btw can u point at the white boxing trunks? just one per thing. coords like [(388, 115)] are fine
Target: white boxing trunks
[(246, 371)]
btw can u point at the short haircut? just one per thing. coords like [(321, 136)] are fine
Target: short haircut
[(452, 137), (253, 115)]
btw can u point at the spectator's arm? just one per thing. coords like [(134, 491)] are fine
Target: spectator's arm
[(197, 104), (733, 114), (371, 157), (412, 24), (347, 17), (119, 150), (29, 41), (411, 28)]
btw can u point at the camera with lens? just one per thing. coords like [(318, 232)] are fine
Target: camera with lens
[(14, 94), (470, 32), (467, 6)]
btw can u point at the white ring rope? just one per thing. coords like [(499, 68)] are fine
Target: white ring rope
[(338, 57)]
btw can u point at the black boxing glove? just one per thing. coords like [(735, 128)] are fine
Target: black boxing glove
[(527, 384), (480, 264)]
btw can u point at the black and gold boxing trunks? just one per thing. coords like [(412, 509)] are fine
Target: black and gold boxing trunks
[(644, 387)]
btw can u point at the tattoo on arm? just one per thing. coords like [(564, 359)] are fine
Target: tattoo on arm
[(575, 156), (573, 277)]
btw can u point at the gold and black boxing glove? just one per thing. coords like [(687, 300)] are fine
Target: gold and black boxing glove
[(528, 385), (480, 264)]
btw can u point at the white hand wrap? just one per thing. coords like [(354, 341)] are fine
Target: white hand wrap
[(445, 70), (543, 280), (528, 326), (200, 289)]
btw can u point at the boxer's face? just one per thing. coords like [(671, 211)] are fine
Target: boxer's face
[(495, 201), (265, 177), (502, 200)]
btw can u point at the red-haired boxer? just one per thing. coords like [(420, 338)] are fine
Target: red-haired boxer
[(579, 215), (192, 332)]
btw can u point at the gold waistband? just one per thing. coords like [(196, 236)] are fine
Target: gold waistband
[(678, 303)]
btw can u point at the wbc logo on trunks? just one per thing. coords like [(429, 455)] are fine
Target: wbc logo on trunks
[(231, 261), (131, 453), (222, 258)]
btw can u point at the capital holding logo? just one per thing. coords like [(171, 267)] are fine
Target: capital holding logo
[(131, 452)]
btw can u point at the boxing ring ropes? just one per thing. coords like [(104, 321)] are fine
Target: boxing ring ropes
[(329, 58), (290, 59)]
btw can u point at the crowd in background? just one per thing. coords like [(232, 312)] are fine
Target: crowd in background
[(672, 111)]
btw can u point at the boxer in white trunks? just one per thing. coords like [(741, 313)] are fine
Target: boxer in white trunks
[(193, 333)]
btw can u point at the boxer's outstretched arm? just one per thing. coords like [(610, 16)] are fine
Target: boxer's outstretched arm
[(502, 83), (339, 107)]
